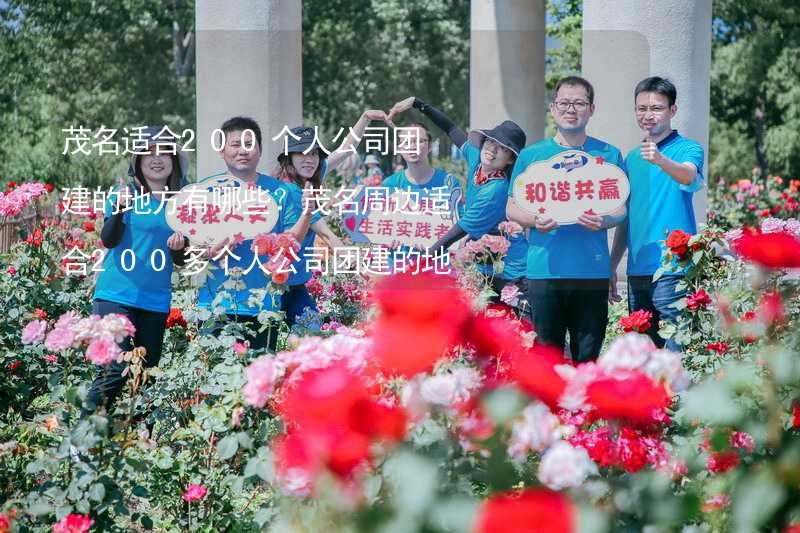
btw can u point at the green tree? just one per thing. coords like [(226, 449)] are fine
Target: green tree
[(360, 54), (755, 97), (118, 64)]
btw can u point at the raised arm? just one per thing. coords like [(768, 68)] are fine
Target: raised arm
[(442, 121), (353, 139)]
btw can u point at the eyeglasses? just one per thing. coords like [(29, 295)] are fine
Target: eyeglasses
[(654, 109), (564, 105)]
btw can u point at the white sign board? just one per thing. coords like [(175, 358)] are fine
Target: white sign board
[(222, 207), (570, 184)]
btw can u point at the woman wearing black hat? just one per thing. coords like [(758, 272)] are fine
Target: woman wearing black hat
[(135, 279), (304, 162), (490, 156)]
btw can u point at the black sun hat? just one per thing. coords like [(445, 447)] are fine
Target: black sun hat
[(302, 139), (507, 134)]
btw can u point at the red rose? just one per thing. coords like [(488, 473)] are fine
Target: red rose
[(796, 415), (632, 451), (770, 250), (40, 314), (770, 310), (11, 185), (13, 365), (534, 371), (678, 243), (530, 511), (638, 321), (634, 397), (175, 318), (279, 278), (428, 310), (720, 462), (88, 226), (698, 300), (720, 347), (49, 187)]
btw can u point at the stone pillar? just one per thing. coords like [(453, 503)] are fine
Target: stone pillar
[(625, 41), (507, 64), (249, 62)]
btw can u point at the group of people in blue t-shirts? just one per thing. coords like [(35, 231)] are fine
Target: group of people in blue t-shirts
[(566, 271)]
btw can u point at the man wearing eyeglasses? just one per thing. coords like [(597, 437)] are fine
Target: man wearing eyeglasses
[(664, 171), (568, 266)]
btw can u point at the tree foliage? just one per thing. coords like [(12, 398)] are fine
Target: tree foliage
[(76, 63)]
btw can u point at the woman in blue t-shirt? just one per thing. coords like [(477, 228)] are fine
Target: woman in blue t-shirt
[(141, 248), (490, 156)]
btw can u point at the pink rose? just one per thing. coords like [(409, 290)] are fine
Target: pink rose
[(102, 351), (261, 375), (194, 492), (510, 295), (34, 332), (59, 339)]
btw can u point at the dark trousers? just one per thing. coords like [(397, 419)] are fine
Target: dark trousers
[(150, 327), (294, 303), (577, 306), (659, 298), (257, 339)]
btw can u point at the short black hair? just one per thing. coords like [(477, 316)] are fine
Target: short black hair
[(572, 81), (242, 124), (656, 84), (421, 125)]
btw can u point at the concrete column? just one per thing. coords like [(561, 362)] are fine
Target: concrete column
[(625, 41), (507, 64), (249, 62)]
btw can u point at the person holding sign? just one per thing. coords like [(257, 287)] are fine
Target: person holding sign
[(241, 152), (490, 156), (304, 162), (420, 181), (576, 178), (135, 279), (665, 171)]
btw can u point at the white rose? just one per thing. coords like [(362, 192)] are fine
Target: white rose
[(627, 352), (564, 466), (439, 390), (535, 430)]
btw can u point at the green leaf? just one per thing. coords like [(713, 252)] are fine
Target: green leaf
[(97, 492), (755, 499), (244, 440), (710, 402), (264, 515), (146, 522), (414, 480), (503, 405), (140, 491), (258, 467), (227, 447)]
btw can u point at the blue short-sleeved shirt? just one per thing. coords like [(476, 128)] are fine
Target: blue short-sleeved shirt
[(399, 182), (236, 301), (571, 251), (295, 196), (658, 204), (485, 209), (138, 271)]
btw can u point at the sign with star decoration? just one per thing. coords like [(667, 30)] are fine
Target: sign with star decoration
[(222, 207), (569, 184)]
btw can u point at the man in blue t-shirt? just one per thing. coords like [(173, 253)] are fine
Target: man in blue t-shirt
[(568, 266), (665, 171), (241, 153)]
